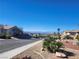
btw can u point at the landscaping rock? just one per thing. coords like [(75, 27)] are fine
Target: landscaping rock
[(59, 54)]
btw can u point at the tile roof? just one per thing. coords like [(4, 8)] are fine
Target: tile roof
[(72, 31), (6, 27)]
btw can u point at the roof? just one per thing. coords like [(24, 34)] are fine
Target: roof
[(72, 31), (6, 27)]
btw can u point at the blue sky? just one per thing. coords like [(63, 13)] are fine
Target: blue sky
[(40, 15)]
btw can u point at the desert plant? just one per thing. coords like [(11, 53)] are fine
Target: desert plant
[(59, 44), (52, 45), (46, 44), (52, 38)]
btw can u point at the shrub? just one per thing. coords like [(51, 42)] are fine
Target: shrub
[(52, 46), (46, 44), (68, 37), (77, 37), (59, 44), (52, 38)]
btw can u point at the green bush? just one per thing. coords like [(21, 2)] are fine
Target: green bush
[(46, 44), (59, 44), (52, 46), (52, 38)]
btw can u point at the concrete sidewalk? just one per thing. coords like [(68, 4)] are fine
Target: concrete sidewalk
[(31, 52), (2, 39), (14, 52)]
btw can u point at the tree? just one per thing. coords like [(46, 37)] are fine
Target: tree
[(54, 33), (59, 33)]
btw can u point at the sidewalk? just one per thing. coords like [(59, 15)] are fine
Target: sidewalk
[(2, 39), (35, 53), (30, 52)]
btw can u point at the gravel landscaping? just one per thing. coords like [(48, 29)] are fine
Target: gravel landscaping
[(36, 53)]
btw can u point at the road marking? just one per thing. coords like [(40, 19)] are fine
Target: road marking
[(14, 52)]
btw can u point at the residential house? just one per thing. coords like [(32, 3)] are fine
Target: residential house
[(72, 33), (10, 31)]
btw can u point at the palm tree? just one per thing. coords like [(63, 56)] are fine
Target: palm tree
[(58, 29)]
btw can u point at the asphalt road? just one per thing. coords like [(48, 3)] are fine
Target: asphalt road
[(6, 45)]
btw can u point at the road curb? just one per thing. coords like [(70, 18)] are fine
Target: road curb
[(16, 51), (72, 49)]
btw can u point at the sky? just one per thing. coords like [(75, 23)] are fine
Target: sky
[(40, 15)]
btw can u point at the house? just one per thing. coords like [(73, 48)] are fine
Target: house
[(26, 35), (6, 30), (72, 33)]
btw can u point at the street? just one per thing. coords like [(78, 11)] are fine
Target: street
[(6, 45)]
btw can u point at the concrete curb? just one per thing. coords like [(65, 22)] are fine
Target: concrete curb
[(72, 49), (2, 39), (14, 52)]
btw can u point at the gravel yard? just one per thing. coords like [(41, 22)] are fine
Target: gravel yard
[(36, 53)]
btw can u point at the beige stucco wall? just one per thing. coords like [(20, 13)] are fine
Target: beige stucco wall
[(67, 33)]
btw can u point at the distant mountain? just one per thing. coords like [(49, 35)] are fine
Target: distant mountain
[(40, 32)]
